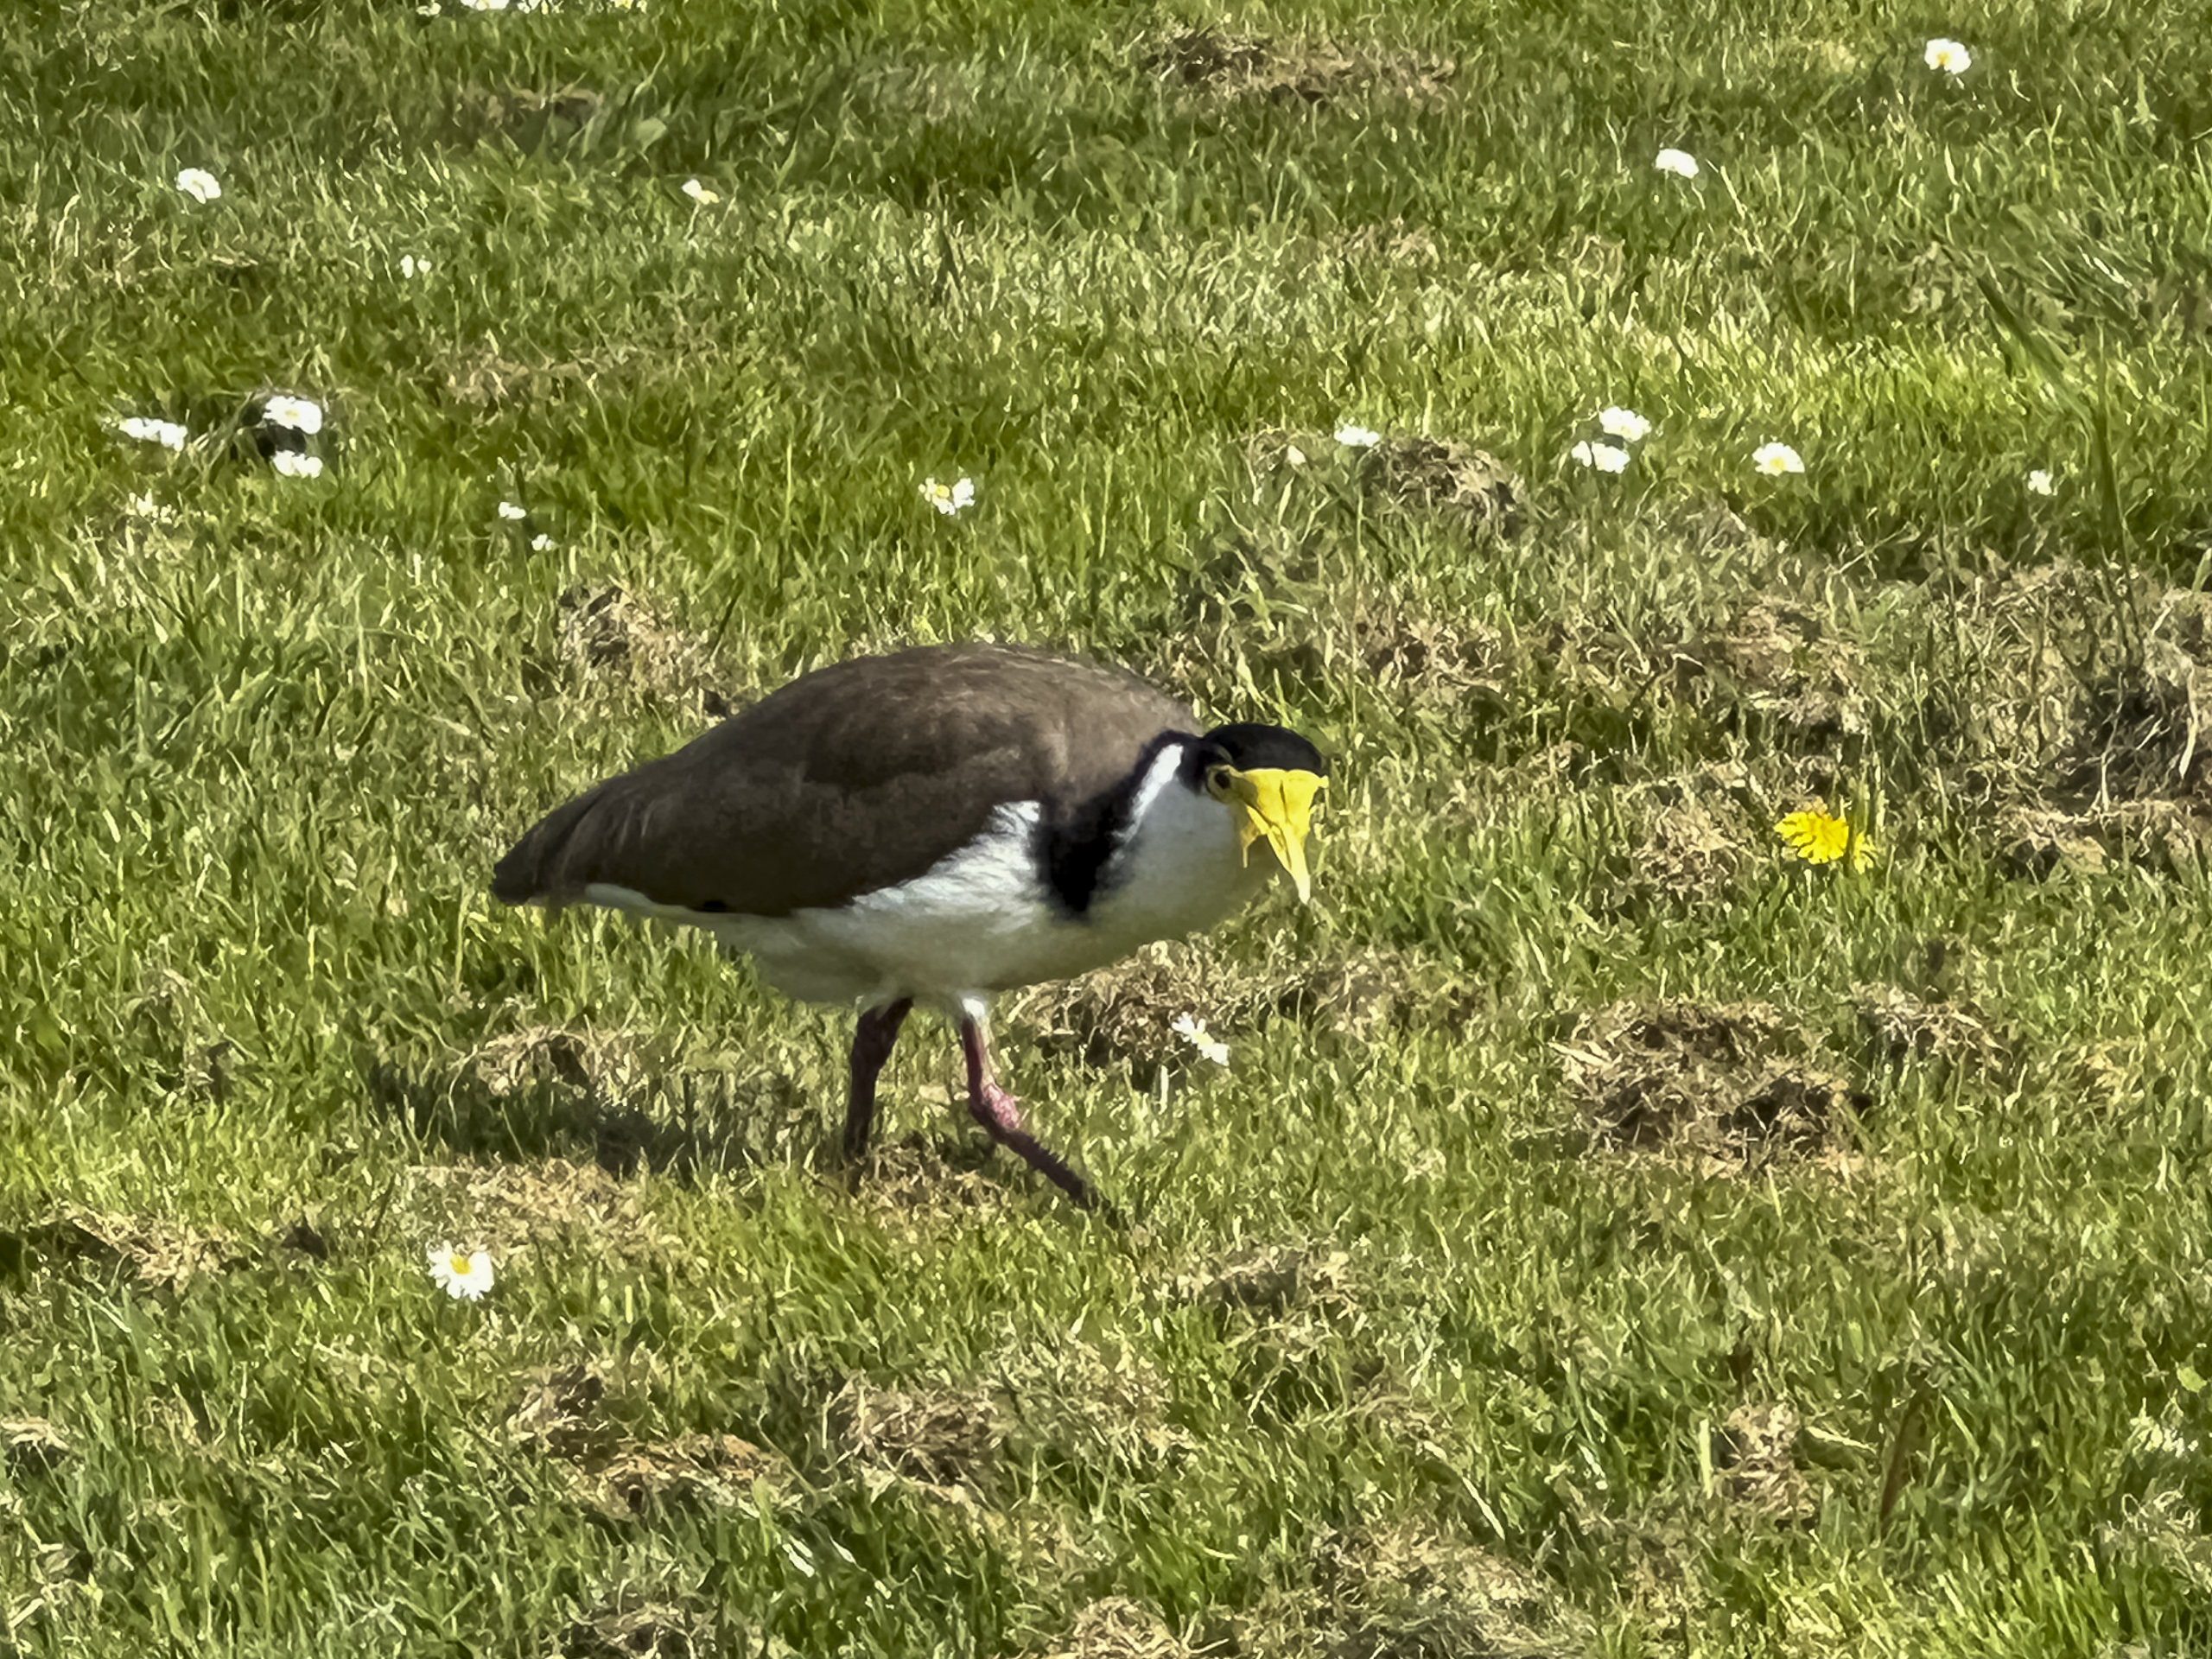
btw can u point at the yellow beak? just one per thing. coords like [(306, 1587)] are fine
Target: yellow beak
[(1278, 806)]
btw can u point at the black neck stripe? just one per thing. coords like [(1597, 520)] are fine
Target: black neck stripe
[(1075, 851)]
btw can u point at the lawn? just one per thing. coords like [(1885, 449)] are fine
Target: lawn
[(1610, 1233)]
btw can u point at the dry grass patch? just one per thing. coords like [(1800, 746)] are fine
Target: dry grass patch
[(1123, 1017), (1690, 840), (612, 639), (558, 1416), (1900, 1026), (1407, 1591), (633, 1625), (483, 378), (639, 1480), (1273, 1279), (2078, 709), (32, 1445), (1088, 1405), (918, 1181), (165, 1255), (1117, 1627), (1780, 664), (2146, 730), (505, 1207), (1756, 1455), (1391, 241), (1728, 1083), (1438, 476), (942, 1438), (1223, 66)]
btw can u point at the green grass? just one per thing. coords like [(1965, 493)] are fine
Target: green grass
[(262, 747)]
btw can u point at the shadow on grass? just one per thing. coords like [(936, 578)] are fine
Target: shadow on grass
[(680, 1125)]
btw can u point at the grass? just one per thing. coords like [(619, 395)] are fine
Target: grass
[(1609, 1236)]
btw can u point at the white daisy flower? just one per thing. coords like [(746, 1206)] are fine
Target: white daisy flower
[(700, 194), (464, 1277), (949, 499), (1777, 458), (1948, 56), (301, 414), (146, 430), (293, 464), (485, 5), (1623, 424), (510, 509), (198, 183), (1193, 1030), (1606, 457), (1680, 162), (2040, 483), (429, 8), (1357, 437), (542, 543), (1295, 455), (410, 267)]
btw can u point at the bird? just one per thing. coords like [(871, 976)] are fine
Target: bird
[(934, 826)]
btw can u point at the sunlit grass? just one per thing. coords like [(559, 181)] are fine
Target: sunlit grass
[(656, 354)]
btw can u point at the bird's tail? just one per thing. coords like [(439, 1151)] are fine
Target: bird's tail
[(549, 866)]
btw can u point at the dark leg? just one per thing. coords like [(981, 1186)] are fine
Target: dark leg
[(1001, 1114), (872, 1040)]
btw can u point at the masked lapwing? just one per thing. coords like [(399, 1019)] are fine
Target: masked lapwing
[(935, 826)]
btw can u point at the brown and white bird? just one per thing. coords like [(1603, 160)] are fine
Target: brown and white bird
[(935, 826)]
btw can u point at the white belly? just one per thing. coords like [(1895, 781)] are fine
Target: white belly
[(982, 921)]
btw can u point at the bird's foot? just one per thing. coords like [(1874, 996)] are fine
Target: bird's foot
[(999, 1114)]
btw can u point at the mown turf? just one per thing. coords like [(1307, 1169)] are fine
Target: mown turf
[(1609, 1236)]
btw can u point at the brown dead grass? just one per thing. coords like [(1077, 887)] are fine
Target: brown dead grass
[(32, 1445), (1220, 65), (612, 639), (506, 1207), (641, 1479), (2076, 709), (941, 1437), (1439, 475), (1122, 1018), (1755, 1454), (560, 1414), (1117, 1627), (1730, 1084), (1391, 241), (1900, 1027), (1405, 471), (1070, 1402), (1406, 1592), (1692, 836), (1785, 666), (636, 1625), (1086, 1404), (1273, 1279), (163, 1254), (918, 1183)]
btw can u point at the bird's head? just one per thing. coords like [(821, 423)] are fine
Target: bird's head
[(1268, 777)]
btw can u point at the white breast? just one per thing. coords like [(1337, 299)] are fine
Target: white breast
[(982, 921)]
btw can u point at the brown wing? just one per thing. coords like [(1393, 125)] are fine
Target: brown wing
[(852, 778)]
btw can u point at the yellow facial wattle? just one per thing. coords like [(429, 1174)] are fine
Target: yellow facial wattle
[(1277, 806)]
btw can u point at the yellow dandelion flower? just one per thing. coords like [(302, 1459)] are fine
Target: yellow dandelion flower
[(1819, 839)]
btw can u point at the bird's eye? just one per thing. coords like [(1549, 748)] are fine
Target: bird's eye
[(1217, 782)]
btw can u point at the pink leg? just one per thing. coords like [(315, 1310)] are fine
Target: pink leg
[(1001, 1114), (872, 1036)]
